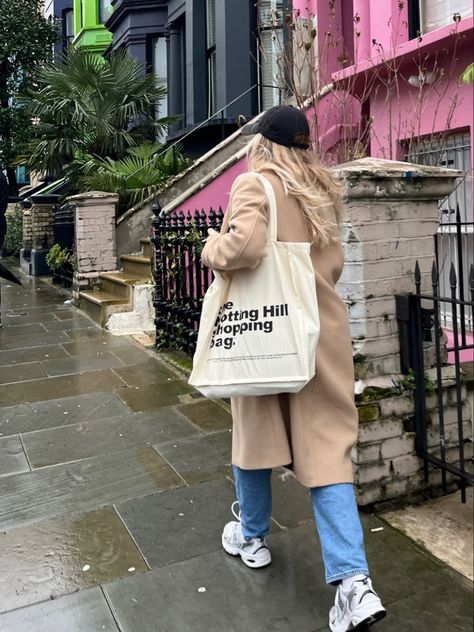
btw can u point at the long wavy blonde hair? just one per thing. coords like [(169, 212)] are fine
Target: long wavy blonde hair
[(303, 176)]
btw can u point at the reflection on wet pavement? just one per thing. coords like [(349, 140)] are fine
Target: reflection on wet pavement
[(59, 556)]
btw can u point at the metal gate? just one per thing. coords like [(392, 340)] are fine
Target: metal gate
[(419, 320)]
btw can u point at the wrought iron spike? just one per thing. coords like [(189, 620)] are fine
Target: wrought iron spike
[(453, 279), (417, 272), (434, 274), (458, 214)]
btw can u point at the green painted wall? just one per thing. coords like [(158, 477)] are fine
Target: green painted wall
[(90, 33)]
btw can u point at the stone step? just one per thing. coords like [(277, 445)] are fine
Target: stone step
[(99, 305), (135, 265), (146, 246), (121, 283)]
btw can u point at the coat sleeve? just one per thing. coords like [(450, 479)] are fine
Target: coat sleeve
[(243, 245)]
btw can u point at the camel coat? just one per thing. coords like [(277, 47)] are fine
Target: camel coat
[(311, 431)]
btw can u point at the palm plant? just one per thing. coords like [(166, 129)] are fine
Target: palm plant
[(87, 106), (137, 175)]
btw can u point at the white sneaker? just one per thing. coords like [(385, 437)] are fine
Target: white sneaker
[(357, 609), (254, 553)]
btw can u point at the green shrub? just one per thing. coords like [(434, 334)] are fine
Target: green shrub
[(14, 237), (59, 258)]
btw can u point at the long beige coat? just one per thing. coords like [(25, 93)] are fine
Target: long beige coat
[(313, 430)]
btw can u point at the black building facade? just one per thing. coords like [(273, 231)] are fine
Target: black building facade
[(207, 54), (63, 10)]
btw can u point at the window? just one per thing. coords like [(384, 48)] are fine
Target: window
[(211, 57), (453, 152), (159, 69), (68, 26), (104, 11), (271, 51), (428, 15)]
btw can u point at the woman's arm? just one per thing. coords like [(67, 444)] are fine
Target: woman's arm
[(243, 246)]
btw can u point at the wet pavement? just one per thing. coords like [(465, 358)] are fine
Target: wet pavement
[(115, 483)]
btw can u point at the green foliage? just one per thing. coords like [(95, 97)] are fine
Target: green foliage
[(88, 108), (137, 175), (14, 236), (409, 382), (26, 42), (59, 258), (468, 75)]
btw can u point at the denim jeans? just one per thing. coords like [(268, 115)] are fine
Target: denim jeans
[(335, 514)]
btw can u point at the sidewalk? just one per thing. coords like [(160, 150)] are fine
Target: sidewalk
[(115, 483)]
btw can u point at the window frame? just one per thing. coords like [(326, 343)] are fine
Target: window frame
[(211, 62)]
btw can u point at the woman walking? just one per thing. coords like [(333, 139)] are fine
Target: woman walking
[(311, 431)]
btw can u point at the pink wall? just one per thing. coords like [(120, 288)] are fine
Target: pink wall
[(216, 193)]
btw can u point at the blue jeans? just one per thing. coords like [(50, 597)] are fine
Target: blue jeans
[(335, 514)]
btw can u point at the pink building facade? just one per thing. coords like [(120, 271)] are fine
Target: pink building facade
[(393, 70)]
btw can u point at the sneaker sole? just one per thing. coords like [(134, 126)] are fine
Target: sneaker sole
[(249, 561), (367, 623)]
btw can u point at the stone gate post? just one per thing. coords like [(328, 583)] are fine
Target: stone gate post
[(94, 215), (391, 217)]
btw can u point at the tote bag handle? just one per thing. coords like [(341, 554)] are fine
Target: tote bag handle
[(272, 219)]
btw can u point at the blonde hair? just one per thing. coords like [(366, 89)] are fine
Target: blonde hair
[(303, 176)]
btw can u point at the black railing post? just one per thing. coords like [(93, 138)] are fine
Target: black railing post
[(419, 370), (457, 368), (439, 380), (462, 314)]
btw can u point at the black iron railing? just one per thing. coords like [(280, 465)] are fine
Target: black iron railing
[(417, 315), (64, 229), (181, 279)]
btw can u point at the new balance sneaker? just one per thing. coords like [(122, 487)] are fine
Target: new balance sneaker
[(254, 553), (357, 609)]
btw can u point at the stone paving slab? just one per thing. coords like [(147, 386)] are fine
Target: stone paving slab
[(64, 411), (65, 554), (12, 456), (153, 396), (151, 370), (21, 372), (179, 524), (11, 318), (77, 322), (207, 415), (34, 340), (288, 596), (82, 486), (104, 436), (61, 386), (443, 525), (86, 611), (291, 502), (125, 350), (7, 330), (21, 356), (201, 458), (67, 366)]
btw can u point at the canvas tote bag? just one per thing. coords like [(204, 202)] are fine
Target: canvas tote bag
[(259, 328)]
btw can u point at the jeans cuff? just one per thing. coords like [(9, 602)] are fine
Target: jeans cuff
[(330, 579)]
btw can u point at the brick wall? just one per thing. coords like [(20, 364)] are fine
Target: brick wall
[(385, 462)]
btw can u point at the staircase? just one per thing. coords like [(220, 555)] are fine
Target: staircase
[(121, 301)]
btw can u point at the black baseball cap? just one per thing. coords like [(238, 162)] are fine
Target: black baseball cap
[(282, 124)]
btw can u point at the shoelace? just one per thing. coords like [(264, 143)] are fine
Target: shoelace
[(234, 513)]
